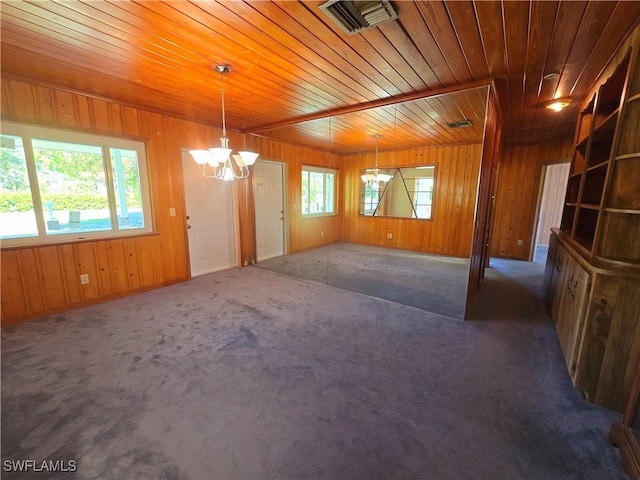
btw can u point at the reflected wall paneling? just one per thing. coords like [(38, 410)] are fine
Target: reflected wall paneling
[(450, 230), (303, 233), (516, 192)]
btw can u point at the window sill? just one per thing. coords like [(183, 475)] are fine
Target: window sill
[(67, 241)]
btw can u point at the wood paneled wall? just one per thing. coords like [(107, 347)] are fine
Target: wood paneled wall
[(517, 191), (303, 233), (45, 279), (450, 230)]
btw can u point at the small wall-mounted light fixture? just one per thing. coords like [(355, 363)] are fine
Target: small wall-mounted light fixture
[(558, 104)]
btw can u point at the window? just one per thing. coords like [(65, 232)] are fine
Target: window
[(62, 186), (318, 191), (423, 197), (407, 194)]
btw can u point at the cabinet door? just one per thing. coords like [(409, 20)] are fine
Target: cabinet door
[(571, 309), (556, 283), (549, 266)]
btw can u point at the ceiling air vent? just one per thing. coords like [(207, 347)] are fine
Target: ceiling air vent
[(460, 124), (354, 16)]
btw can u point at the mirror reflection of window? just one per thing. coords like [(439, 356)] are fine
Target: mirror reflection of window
[(318, 191), (408, 194)]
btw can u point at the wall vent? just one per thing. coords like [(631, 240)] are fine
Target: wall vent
[(355, 16)]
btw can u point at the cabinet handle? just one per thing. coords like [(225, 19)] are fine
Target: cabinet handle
[(569, 283)]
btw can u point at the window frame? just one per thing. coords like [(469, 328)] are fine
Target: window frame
[(324, 171), (33, 132), (362, 193)]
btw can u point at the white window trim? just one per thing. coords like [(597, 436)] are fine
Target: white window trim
[(310, 168), (27, 132)]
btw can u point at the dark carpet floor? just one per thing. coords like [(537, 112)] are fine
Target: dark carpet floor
[(250, 374)]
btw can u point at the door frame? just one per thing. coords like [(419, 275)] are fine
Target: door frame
[(285, 210), (235, 205), (536, 218)]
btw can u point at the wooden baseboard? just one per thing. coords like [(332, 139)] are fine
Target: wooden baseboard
[(623, 438)]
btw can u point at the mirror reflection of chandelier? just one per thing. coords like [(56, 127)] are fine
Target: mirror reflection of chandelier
[(218, 162), (373, 178)]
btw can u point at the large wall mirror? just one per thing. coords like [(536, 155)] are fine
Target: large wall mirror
[(405, 192), (427, 196)]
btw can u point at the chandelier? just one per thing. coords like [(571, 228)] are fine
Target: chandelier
[(218, 162), (373, 178)]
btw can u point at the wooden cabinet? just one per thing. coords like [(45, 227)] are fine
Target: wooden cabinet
[(568, 287), (597, 315), (592, 277), (576, 283)]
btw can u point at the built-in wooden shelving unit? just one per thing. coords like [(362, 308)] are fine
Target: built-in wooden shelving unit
[(592, 276)]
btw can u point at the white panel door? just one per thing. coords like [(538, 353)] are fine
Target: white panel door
[(269, 200), (210, 212)]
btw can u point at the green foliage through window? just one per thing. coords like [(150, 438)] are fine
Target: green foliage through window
[(318, 191), (66, 184)]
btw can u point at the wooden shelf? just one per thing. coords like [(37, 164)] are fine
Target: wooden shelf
[(568, 217), (589, 206), (584, 123), (579, 159), (573, 188), (623, 210), (605, 171), (594, 185), (630, 139), (625, 184), (621, 242), (600, 232), (611, 93)]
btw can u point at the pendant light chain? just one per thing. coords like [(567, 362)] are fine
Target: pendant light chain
[(218, 162), (224, 140)]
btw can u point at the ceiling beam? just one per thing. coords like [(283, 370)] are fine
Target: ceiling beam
[(383, 102)]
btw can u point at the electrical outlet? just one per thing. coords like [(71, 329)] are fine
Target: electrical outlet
[(519, 243), (84, 278), (172, 212), (389, 235), (322, 234)]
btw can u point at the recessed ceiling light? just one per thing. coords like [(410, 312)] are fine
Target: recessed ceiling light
[(558, 104)]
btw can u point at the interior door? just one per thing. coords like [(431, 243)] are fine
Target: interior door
[(269, 209), (210, 220)]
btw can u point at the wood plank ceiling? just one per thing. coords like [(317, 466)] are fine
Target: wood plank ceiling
[(290, 62)]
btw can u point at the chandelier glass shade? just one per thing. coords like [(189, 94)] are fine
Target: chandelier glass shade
[(219, 162), (373, 178)]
